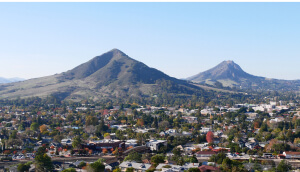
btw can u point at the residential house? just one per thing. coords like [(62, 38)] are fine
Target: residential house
[(66, 142), (138, 167), (251, 145), (169, 168), (207, 168), (141, 130), (171, 131), (131, 142), (291, 155), (252, 115), (55, 144), (205, 153), (185, 133), (190, 119), (176, 168), (105, 143), (204, 130), (154, 145)]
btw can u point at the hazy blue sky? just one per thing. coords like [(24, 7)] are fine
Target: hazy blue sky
[(180, 39)]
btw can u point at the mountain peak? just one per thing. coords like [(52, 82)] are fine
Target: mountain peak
[(93, 65), (110, 75), (228, 62), (226, 70), (228, 65), (115, 50)]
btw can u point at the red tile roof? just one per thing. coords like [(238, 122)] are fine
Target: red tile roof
[(205, 168), (292, 153), (206, 152)]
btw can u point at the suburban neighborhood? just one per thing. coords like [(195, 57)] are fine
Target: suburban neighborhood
[(243, 137)]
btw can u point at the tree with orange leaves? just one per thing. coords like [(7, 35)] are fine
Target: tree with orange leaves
[(116, 151), (43, 128), (269, 146), (210, 137), (104, 150), (294, 119), (256, 125), (140, 122)]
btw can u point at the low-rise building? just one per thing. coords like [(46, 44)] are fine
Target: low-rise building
[(66, 142), (205, 130), (138, 167), (205, 153), (176, 168), (154, 145), (291, 155), (131, 142), (207, 168)]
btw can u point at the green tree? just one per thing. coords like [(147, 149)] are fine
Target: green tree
[(133, 156), (180, 161), (13, 134), (41, 151), (101, 128), (69, 170), (34, 126), (263, 127), (155, 123), (193, 159), (24, 166), (177, 152), (281, 147), (91, 120), (81, 164), (97, 166), (129, 169), (43, 163), (257, 166), (283, 166), (226, 164), (156, 159), (21, 127), (76, 142), (106, 134), (217, 158), (117, 170)]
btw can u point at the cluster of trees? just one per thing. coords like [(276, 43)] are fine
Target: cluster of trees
[(180, 159)]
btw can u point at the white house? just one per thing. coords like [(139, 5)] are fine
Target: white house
[(205, 130), (176, 168), (291, 155), (138, 167), (154, 145), (170, 131), (67, 142), (132, 142)]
